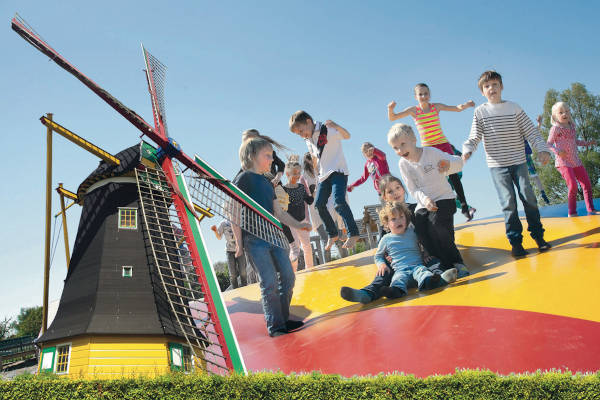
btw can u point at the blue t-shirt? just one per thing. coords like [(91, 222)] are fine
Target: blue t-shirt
[(258, 187), (403, 249)]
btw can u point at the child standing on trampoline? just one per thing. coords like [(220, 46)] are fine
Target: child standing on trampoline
[(271, 262), (563, 142), (427, 119)]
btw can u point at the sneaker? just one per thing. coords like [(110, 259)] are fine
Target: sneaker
[(450, 275), (291, 325), (391, 292), (330, 242), (278, 332), (355, 295), (545, 197), (594, 212), (543, 245), (461, 270), (350, 242), (431, 282), (573, 215), (518, 251), (469, 213)]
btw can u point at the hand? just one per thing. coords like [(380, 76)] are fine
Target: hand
[(543, 157), (350, 188), (330, 124), (443, 166), (539, 121), (466, 156), (430, 205), (469, 103), (275, 181), (382, 269), (392, 105), (213, 228), (238, 250), (561, 153), (388, 258)]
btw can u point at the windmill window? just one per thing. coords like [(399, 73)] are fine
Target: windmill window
[(181, 357), (127, 218), (127, 271), (62, 358)]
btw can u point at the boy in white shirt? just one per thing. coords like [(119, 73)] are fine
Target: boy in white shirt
[(324, 144), (424, 170)]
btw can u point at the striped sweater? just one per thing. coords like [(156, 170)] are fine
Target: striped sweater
[(502, 127)]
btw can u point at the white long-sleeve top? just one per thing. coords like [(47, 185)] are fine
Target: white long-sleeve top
[(423, 179)]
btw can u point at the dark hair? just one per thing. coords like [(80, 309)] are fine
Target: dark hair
[(418, 85), (307, 164), (385, 181), (488, 76), (299, 117)]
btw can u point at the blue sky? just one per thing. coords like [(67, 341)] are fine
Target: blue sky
[(239, 65)]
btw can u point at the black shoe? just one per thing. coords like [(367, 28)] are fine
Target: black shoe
[(543, 245), (391, 292), (278, 332), (518, 251), (431, 282), (290, 325), (355, 295)]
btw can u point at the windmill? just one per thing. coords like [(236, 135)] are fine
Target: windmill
[(149, 289)]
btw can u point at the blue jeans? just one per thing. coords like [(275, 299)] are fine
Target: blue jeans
[(276, 278), (336, 183), (404, 278), (505, 180)]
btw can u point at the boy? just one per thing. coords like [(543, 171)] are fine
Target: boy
[(236, 265), (424, 170), (324, 143), (503, 126), (402, 247), (376, 166)]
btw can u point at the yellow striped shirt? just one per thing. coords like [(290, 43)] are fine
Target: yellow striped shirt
[(428, 124)]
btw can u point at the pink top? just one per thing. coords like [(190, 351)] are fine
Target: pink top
[(375, 167), (565, 139)]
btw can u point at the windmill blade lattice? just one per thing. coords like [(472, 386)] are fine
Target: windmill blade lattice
[(206, 192), (176, 269)]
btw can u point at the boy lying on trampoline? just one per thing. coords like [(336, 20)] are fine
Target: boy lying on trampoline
[(401, 245)]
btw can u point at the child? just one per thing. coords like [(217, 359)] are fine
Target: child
[(299, 198), (324, 143), (376, 166), (563, 142), (271, 262), (236, 265), (503, 126), (402, 247), (427, 119), (424, 169)]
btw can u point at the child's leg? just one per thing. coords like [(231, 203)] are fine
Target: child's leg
[(286, 279), (399, 285), (323, 193), (569, 176), (426, 280), (532, 213), (259, 255), (304, 237), (503, 182), (422, 226), (294, 250), (442, 230), (380, 281), (460, 192), (339, 185), (584, 180), (240, 263), (231, 266)]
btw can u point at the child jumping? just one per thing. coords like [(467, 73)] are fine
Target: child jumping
[(375, 167), (503, 126), (297, 208), (424, 170), (271, 262), (427, 119), (563, 142), (324, 143), (402, 247)]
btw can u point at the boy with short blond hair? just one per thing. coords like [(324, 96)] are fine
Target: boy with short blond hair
[(503, 126), (324, 143)]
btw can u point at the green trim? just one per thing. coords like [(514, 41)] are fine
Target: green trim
[(253, 204), (45, 352), (213, 287), (172, 347)]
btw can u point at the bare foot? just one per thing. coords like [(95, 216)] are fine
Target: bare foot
[(350, 242), (330, 242)]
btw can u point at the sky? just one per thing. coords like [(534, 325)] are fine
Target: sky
[(239, 65)]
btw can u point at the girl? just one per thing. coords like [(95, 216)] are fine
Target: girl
[(563, 141), (271, 262), (427, 118), (376, 166), (297, 208)]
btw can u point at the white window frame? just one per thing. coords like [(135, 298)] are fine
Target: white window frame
[(56, 355)]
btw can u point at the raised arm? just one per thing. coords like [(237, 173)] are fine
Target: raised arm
[(330, 124), (458, 108), (404, 113), (360, 180)]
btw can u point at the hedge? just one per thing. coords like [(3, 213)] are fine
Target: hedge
[(461, 385)]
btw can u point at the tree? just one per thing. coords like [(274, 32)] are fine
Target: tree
[(29, 322), (585, 110), (5, 328)]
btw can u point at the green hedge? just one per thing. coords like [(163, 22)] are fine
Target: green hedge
[(462, 385)]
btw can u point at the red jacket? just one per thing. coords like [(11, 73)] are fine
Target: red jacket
[(375, 167)]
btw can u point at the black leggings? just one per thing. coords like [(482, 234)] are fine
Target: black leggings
[(460, 192)]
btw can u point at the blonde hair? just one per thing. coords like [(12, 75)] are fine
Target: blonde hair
[(555, 108), (392, 208), (293, 163), (398, 130), (250, 148), (254, 133), (365, 146)]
